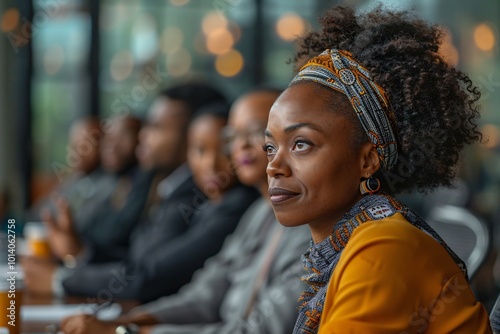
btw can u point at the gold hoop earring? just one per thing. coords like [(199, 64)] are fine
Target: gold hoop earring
[(369, 186)]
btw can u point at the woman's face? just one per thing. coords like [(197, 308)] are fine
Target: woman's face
[(313, 171), (247, 123), (211, 168)]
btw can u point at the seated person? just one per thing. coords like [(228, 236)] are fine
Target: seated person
[(82, 182), (106, 231), (336, 141), (252, 285), (177, 236)]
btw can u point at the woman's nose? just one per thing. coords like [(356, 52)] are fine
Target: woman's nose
[(278, 165)]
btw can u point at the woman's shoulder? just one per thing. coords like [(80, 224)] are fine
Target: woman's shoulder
[(392, 270), (397, 245), (393, 229)]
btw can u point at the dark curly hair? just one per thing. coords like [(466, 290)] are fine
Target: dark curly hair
[(435, 105)]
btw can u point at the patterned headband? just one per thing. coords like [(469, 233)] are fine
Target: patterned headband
[(338, 70)]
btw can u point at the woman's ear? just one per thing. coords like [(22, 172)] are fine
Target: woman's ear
[(369, 159)]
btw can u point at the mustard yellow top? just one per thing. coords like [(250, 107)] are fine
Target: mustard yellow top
[(394, 278)]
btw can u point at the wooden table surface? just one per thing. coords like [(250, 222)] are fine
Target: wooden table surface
[(39, 327)]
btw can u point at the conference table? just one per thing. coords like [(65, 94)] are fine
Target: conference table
[(38, 326)]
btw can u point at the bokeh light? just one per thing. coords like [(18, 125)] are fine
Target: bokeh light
[(229, 64), (179, 62), (10, 19), (213, 21), (53, 59), (171, 39), (220, 41), (290, 26), (484, 37), (122, 65), (144, 38)]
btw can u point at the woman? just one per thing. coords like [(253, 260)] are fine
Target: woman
[(374, 111)]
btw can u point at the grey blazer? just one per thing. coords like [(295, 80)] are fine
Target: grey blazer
[(217, 297)]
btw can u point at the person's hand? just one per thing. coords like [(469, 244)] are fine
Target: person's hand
[(86, 324), (62, 236), (38, 274)]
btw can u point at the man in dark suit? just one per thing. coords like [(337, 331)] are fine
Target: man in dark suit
[(163, 149)]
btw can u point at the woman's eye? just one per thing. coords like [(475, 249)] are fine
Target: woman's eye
[(301, 146), (269, 149)]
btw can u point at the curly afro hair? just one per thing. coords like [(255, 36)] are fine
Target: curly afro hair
[(435, 105)]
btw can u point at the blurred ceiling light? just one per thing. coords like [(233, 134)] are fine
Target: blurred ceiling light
[(122, 65), (213, 21), (289, 26), (220, 41), (144, 38), (179, 2), (229, 64), (171, 39), (53, 59), (10, 19), (179, 62), (484, 37), (448, 50), (491, 134)]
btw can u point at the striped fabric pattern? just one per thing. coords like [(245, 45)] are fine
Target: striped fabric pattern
[(339, 71)]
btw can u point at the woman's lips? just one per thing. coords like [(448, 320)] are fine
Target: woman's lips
[(280, 195), (245, 161)]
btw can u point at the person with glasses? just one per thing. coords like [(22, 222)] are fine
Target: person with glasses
[(252, 285)]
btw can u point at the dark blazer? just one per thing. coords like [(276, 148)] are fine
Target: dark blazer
[(166, 250), (107, 232)]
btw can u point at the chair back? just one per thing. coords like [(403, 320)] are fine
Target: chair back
[(495, 316), (465, 233)]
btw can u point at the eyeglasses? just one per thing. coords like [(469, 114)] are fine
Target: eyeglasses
[(253, 135)]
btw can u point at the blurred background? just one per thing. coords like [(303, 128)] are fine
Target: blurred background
[(63, 59)]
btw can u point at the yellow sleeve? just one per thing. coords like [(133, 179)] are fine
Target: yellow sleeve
[(394, 278)]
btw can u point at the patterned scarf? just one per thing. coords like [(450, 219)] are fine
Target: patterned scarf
[(339, 71), (321, 259)]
